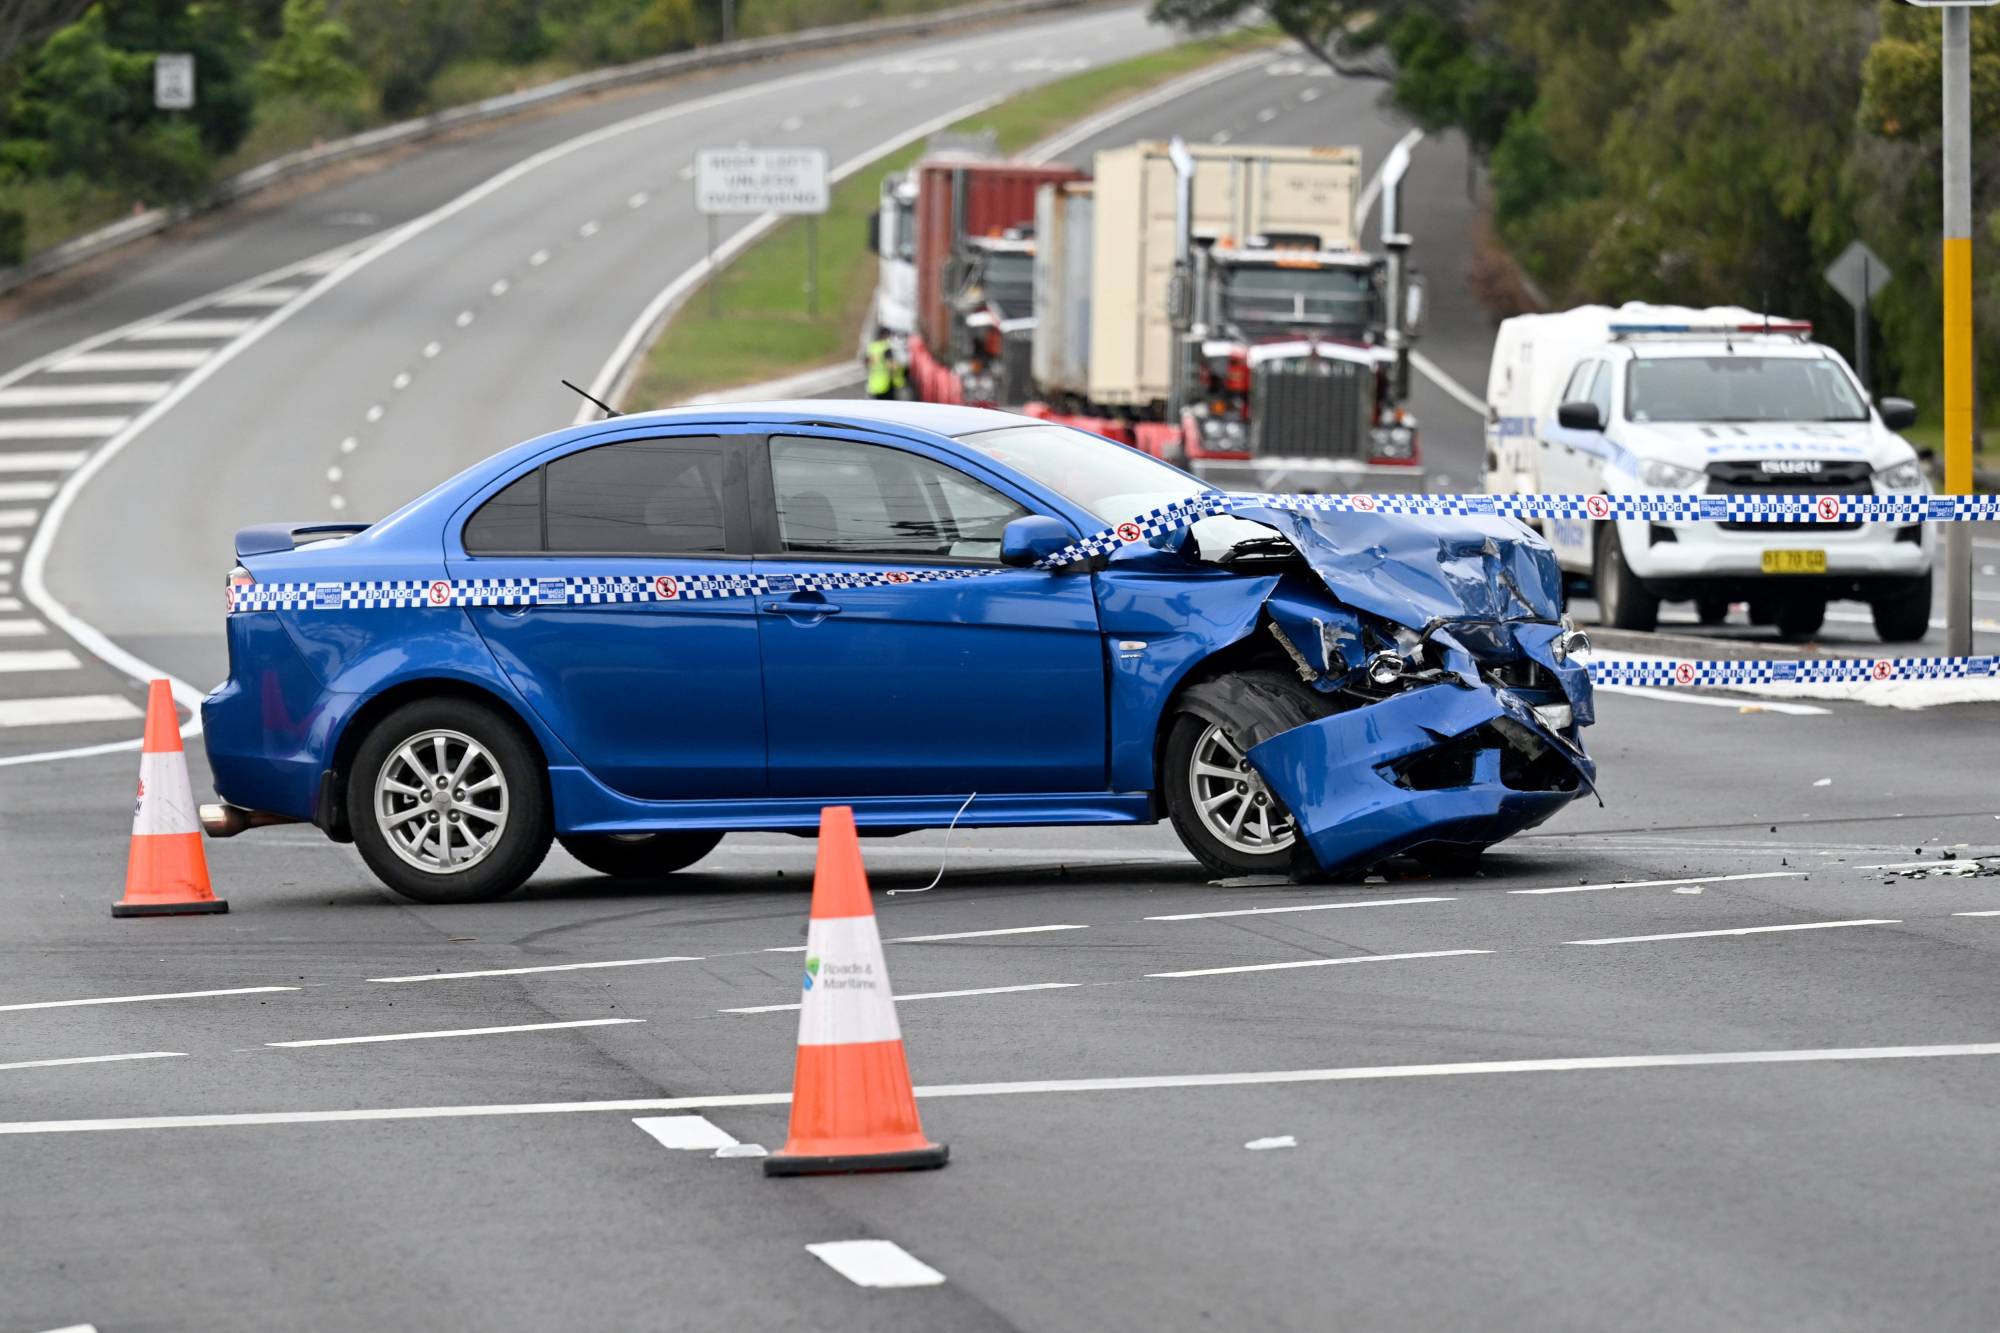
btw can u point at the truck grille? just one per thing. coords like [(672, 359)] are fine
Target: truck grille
[(1017, 368), (1833, 478), (1311, 407)]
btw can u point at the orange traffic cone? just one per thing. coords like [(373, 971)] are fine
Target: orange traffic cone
[(167, 874), (852, 1108)]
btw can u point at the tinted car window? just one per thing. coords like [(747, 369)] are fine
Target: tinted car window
[(511, 521), (839, 498), (650, 497)]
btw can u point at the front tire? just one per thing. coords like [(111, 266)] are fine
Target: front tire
[(1800, 617), (448, 803), (640, 855), (1219, 805), (1711, 608), (1906, 616), (1622, 601)]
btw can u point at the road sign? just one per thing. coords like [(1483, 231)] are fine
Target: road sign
[(1859, 274), (760, 180), (173, 82)]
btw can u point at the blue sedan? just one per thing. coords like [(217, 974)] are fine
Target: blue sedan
[(638, 635)]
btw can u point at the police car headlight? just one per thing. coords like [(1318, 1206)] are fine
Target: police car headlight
[(1669, 476), (1902, 477)]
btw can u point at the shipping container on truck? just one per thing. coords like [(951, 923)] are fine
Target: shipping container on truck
[(1064, 239), (958, 198)]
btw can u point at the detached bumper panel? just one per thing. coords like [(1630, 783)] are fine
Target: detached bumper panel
[(1445, 764)]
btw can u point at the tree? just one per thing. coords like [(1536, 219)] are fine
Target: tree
[(25, 24)]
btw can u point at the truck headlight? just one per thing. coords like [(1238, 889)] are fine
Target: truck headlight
[(1902, 477), (1669, 476), (1222, 432), (1392, 441)]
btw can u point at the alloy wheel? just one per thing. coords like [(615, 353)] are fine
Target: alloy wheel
[(1231, 800), (441, 802)]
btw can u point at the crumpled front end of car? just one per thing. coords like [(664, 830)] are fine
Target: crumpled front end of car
[(1459, 692)]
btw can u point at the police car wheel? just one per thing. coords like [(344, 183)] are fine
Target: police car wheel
[(1218, 804), (640, 855), (1800, 616), (448, 802), (1622, 601), (1905, 617), (1711, 610)]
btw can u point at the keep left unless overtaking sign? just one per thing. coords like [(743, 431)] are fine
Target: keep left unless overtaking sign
[(760, 180), (173, 82)]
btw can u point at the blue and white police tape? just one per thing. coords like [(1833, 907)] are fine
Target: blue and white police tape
[(1667, 673)]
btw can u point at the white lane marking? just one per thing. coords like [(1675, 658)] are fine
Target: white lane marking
[(976, 934), (349, 445), (854, 103), (1307, 907), (923, 995), (588, 229), (63, 710), (92, 1060), (60, 461), (1992, 913), (537, 259), (141, 999), (464, 319), (177, 359), (1276, 1141), (1111, 117), (790, 124), (1220, 136), (75, 1328), (875, 1263), (1127, 1083), (60, 428), (685, 1133), (787, 948), (25, 628), (373, 414), (8, 603), (18, 518), (1664, 883), (1322, 962), (549, 967), (457, 1032), (39, 659), (1954, 863), (83, 395), (1740, 930), (1710, 701), (638, 200), (1309, 95), (401, 382), (26, 490), (9, 545), (500, 287), (431, 349), (333, 474), (175, 330), (1373, 188), (1435, 373), (264, 297), (336, 502), (1266, 116)]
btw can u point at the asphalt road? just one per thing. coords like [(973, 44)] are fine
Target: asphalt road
[(1487, 1130)]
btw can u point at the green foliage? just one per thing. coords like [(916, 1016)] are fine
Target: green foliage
[(13, 236), (312, 56)]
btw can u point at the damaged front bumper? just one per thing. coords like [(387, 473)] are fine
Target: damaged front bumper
[(1458, 763)]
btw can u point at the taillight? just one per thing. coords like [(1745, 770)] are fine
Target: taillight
[(241, 581)]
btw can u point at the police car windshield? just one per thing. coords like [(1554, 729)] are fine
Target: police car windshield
[(1109, 480), (1740, 388)]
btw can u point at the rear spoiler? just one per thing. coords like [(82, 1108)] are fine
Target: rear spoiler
[(267, 538)]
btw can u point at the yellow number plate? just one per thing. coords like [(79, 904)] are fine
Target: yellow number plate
[(1795, 562)]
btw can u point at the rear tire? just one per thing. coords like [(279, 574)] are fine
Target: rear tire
[(1906, 616), (1801, 617), (640, 855), (1215, 724), (1622, 601), (473, 837)]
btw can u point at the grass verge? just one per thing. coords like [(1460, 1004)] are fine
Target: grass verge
[(764, 331)]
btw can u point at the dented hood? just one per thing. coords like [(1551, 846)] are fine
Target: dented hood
[(1414, 570)]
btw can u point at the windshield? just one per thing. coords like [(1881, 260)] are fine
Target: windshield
[(1110, 480), (1007, 279), (906, 230), (1741, 388), (1277, 298)]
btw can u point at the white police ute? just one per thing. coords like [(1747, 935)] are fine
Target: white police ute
[(1666, 399)]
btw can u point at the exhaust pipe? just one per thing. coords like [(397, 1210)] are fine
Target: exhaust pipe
[(226, 821)]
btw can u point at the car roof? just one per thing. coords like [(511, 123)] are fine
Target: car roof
[(933, 418), (1749, 344)]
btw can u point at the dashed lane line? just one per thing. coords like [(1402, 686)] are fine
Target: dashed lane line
[(142, 999), (978, 934), (92, 1060), (547, 967), (456, 1032), (686, 1133), (1740, 930), (1321, 962), (924, 995), (1664, 883), (875, 1263), (1127, 1083), (1304, 907)]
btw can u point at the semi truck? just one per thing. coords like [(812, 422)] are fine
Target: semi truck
[(1211, 306)]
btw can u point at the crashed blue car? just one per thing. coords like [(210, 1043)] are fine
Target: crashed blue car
[(636, 636)]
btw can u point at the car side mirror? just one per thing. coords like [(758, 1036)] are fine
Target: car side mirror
[(1898, 413), (1031, 539), (1579, 416)]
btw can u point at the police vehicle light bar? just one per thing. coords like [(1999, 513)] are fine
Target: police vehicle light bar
[(1799, 326)]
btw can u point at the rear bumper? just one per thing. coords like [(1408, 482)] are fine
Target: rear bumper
[(1339, 777)]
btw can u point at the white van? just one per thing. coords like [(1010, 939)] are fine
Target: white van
[(1648, 399)]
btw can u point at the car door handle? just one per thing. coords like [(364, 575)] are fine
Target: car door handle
[(804, 609)]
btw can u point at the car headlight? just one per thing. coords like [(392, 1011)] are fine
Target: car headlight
[(1669, 476), (1556, 717), (1902, 477)]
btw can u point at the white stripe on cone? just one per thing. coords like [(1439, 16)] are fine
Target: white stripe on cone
[(165, 802), (846, 997)]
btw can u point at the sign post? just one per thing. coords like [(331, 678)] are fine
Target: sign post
[(783, 181), (173, 82), (1858, 275), (1957, 310)]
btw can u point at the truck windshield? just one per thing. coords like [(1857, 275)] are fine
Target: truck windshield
[(1740, 388), (1007, 280), (1109, 480), (906, 230), (1274, 299)]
